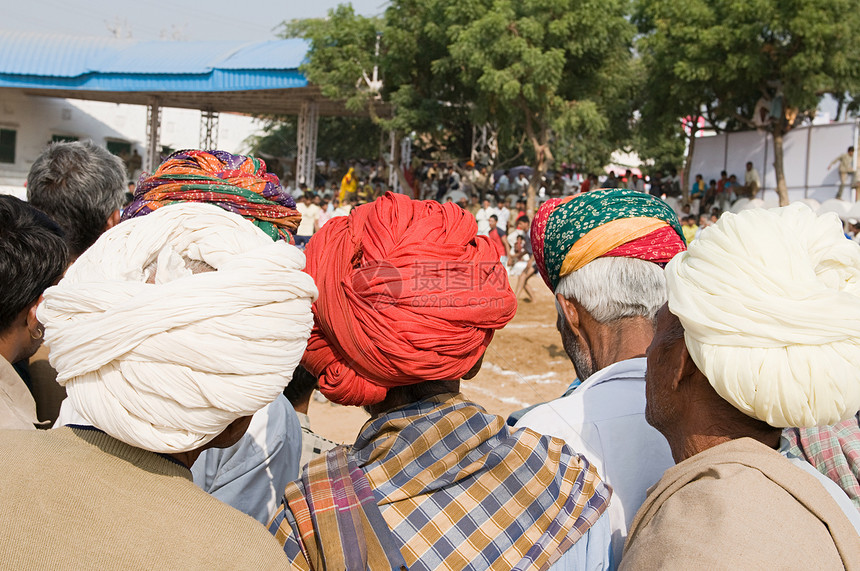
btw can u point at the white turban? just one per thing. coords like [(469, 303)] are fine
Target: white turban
[(166, 366), (770, 304)]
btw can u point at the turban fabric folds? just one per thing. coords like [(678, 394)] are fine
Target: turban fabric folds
[(166, 366), (770, 304), (569, 232), (408, 293), (234, 182)]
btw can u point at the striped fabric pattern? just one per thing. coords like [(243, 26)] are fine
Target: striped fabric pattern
[(461, 491), (334, 495), (236, 183)]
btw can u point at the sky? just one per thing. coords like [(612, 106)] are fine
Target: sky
[(169, 19)]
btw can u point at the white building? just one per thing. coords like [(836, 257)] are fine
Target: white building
[(28, 123)]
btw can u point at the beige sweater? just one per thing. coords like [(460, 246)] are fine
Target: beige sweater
[(17, 407), (79, 499), (740, 505)]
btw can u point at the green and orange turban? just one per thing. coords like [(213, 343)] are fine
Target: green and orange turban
[(236, 183), (569, 232)]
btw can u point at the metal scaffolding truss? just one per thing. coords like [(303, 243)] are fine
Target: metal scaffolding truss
[(153, 135), (307, 143), (209, 130)]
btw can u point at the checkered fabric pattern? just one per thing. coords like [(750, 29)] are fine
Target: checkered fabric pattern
[(460, 490), (833, 450)]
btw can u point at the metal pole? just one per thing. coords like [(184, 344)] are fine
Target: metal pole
[(153, 135), (405, 163), (764, 170), (308, 129), (806, 173), (392, 168)]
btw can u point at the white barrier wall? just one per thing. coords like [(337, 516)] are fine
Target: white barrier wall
[(808, 150)]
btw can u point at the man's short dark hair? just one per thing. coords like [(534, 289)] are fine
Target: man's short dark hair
[(494, 217), (79, 185), (33, 256), (301, 386), (523, 218)]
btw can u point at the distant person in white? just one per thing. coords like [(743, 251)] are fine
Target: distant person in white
[(482, 217), (752, 181), (606, 315), (521, 183)]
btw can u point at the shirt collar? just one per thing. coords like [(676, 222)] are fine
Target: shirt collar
[(633, 369)]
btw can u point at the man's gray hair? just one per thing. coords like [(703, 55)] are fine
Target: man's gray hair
[(614, 288), (79, 185)]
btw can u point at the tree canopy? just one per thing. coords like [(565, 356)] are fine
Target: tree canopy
[(557, 69), (552, 73), (730, 59), (572, 81)]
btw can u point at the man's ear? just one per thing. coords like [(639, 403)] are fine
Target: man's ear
[(112, 220), (33, 325), (570, 312), (686, 368)]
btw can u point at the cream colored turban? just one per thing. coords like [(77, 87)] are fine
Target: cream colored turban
[(770, 304), (166, 366)]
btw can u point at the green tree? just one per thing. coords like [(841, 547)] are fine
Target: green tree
[(784, 54), (342, 49), (554, 68), (554, 73)]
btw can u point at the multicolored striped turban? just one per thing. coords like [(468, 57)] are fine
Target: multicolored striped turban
[(569, 232), (236, 183)]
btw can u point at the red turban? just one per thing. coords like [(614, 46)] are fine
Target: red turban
[(407, 293)]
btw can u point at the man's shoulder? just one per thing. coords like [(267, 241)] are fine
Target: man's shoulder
[(739, 476), (613, 392), (705, 503), (62, 468)]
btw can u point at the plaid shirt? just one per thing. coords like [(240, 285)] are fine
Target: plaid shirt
[(833, 450), (458, 489)]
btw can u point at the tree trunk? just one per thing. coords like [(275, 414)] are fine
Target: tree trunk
[(543, 156), (542, 160), (778, 164)]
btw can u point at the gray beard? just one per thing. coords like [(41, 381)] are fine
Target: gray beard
[(582, 358)]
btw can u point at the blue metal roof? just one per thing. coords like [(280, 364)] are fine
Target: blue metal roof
[(96, 64)]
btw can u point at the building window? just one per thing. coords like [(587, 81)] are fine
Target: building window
[(7, 145), (63, 138), (119, 148)]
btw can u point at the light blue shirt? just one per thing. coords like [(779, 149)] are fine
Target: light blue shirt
[(604, 419), (251, 475)]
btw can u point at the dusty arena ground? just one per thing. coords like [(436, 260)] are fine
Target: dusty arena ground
[(525, 364)]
